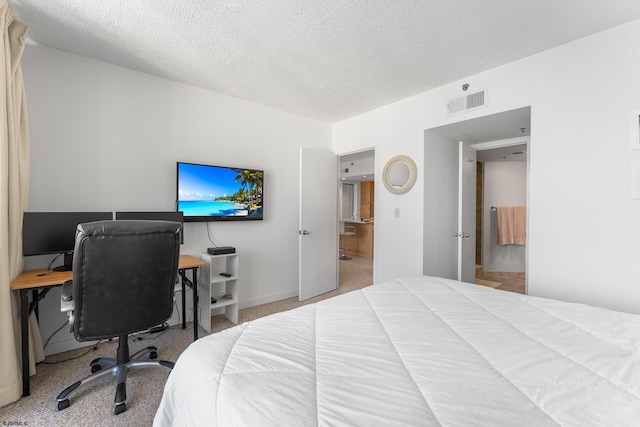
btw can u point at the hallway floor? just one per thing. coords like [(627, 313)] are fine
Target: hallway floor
[(512, 282), (356, 272)]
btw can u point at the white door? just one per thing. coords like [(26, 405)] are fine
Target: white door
[(467, 213), (318, 230), (449, 210), (441, 207)]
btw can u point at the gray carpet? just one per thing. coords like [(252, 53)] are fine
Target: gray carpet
[(93, 406)]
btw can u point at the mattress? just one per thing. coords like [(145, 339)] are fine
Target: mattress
[(417, 351)]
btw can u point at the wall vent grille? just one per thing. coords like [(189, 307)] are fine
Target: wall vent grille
[(465, 103)]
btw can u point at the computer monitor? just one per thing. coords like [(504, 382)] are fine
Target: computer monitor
[(156, 216), (55, 233)]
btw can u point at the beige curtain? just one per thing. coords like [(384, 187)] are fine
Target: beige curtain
[(14, 185)]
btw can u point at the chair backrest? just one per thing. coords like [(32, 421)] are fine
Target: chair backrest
[(124, 274), (345, 229)]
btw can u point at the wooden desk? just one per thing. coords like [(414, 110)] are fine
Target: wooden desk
[(41, 281)]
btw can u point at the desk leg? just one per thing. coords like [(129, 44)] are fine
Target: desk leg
[(194, 276), (34, 297), (24, 326), (184, 305), (194, 287)]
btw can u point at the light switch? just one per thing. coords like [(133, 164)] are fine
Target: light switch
[(396, 213)]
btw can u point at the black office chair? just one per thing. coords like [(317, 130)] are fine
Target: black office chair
[(124, 273)]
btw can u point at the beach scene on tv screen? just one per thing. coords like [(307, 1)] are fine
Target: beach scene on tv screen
[(212, 191)]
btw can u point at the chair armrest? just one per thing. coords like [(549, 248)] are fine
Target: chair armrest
[(66, 297)]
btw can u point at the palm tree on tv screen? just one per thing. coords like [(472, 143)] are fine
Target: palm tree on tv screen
[(252, 181)]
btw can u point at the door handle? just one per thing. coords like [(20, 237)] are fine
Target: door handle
[(303, 232), (461, 235)]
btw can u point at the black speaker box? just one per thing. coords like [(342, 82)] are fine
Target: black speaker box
[(221, 250)]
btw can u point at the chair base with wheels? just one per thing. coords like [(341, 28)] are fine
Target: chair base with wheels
[(118, 367)]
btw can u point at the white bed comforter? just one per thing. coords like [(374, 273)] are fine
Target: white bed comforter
[(418, 351)]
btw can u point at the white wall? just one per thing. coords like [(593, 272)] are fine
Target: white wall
[(391, 130), (108, 138), (584, 228), (357, 168), (505, 184)]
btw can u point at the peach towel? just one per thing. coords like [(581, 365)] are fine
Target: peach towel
[(504, 225), (520, 225), (511, 225)]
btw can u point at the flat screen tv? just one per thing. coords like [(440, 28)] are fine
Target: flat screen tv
[(219, 193)]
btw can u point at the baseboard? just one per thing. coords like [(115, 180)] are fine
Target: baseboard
[(267, 299), (65, 345)]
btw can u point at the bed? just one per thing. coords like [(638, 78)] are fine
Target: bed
[(416, 351)]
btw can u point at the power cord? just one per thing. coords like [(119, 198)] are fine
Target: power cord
[(159, 330), (49, 269), (175, 304), (52, 261), (94, 347), (56, 331), (215, 245)]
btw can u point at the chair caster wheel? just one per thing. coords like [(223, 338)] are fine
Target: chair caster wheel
[(120, 408), (63, 404), (153, 355), (95, 368)]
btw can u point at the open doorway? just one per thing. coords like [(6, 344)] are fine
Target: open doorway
[(453, 242), (356, 216), (501, 183)]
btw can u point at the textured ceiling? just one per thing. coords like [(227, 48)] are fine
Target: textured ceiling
[(325, 59)]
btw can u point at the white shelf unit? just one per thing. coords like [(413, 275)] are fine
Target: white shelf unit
[(212, 284)]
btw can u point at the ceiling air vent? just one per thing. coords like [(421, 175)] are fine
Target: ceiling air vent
[(465, 103)]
